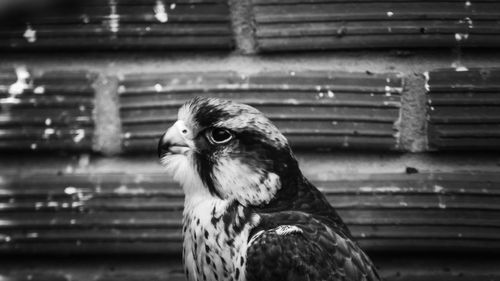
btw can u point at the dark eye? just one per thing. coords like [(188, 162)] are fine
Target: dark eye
[(219, 136)]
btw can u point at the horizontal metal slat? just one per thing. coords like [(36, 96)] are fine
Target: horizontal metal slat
[(256, 98), (470, 98), (375, 41), (343, 28), (464, 114), (375, 11), (469, 80), (281, 2)]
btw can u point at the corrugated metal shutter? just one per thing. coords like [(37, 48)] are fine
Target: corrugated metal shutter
[(464, 109), (51, 111), (313, 109), (338, 24), (120, 24), (119, 213)]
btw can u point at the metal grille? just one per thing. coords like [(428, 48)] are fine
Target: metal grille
[(333, 24), (120, 213), (51, 111), (464, 109), (120, 24), (313, 109)]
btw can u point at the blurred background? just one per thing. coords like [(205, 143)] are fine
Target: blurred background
[(392, 108)]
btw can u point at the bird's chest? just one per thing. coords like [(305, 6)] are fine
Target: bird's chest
[(215, 243)]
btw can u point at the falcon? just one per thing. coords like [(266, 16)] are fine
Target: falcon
[(249, 213)]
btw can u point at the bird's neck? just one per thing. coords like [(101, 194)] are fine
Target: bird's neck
[(215, 238)]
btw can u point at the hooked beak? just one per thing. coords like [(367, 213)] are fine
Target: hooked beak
[(174, 140)]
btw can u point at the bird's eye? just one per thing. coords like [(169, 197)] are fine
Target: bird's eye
[(220, 136)]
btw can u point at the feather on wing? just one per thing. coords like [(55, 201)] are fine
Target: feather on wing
[(305, 250)]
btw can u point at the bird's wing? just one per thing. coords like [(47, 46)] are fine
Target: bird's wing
[(306, 250)]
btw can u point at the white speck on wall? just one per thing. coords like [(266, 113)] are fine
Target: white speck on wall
[(160, 12), (330, 94), (32, 235), (390, 14), (468, 4), (68, 169), (468, 21), (438, 188), (114, 17), (5, 238), (70, 190), (461, 69), (30, 34), (172, 6), (39, 90), (461, 36), (80, 134), (158, 87), (85, 18), (292, 73), (53, 204), (48, 121), (48, 132), (426, 76), (22, 81)]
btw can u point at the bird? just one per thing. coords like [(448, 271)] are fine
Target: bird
[(249, 212)]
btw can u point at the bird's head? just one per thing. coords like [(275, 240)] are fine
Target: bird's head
[(227, 150)]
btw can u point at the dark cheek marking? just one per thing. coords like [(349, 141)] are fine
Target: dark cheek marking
[(206, 234)]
